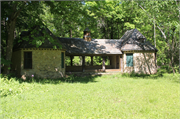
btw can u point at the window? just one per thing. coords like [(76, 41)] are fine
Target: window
[(62, 59), (129, 60), (27, 60)]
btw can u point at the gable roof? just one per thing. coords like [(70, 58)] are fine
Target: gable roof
[(78, 46), (128, 42), (45, 44), (132, 41)]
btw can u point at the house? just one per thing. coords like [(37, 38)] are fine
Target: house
[(130, 53), (44, 61)]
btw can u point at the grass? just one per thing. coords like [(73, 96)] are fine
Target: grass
[(107, 96)]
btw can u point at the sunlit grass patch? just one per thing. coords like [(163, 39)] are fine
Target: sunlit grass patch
[(107, 96)]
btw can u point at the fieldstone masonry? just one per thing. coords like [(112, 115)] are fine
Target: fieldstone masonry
[(142, 62), (46, 63)]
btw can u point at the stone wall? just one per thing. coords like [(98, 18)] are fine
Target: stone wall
[(16, 63), (45, 64), (142, 62)]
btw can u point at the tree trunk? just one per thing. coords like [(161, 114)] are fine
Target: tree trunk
[(83, 63), (147, 63), (172, 51), (9, 47), (107, 30), (154, 33), (171, 62), (112, 29), (70, 32), (118, 28)]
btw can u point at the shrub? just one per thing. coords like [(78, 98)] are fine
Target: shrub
[(125, 75), (134, 75)]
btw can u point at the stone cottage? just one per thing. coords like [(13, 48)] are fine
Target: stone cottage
[(132, 52), (44, 61)]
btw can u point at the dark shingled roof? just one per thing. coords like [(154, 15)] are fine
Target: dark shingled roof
[(128, 42), (131, 40), (46, 44), (96, 46)]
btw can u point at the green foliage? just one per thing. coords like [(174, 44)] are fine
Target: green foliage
[(135, 75), (163, 69), (76, 61), (105, 19), (4, 61), (67, 61), (88, 60), (9, 86), (168, 69)]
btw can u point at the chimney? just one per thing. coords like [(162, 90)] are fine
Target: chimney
[(87, 36)]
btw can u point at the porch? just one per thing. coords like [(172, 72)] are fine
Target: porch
[(115, 64)]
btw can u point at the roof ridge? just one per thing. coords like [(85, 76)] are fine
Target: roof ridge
[(130, 34)]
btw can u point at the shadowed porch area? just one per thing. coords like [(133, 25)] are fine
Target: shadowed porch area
[(115, 64)]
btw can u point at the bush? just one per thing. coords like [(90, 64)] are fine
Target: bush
[(125, 75), (168, 69), (133, 74)]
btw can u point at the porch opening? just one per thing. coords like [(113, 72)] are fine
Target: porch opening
[(92, 63)]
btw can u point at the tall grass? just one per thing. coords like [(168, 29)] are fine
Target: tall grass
[(107, 96)]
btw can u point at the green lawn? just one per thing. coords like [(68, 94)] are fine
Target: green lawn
[(107, 96)]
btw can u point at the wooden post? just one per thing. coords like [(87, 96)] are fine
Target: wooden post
[(83, 63), (121, 63), (91, 60), (103, 64), (110, 58), (71, 60)]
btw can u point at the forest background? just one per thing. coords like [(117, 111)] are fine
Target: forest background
[(158, 21)]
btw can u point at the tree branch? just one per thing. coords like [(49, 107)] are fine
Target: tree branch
[(151, 17), (17, 13)]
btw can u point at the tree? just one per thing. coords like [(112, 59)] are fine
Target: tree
[(158, 21), (11, 11)]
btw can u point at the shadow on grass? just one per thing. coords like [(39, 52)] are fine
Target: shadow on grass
[(68, 79), (168, 76), (144, 76)]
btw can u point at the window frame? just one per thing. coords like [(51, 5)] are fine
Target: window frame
[(62, 60), (25, 59), (132, 60)]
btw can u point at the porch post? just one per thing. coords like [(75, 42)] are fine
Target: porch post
[(103, 64), (83, 63), (72, 57), (121, 63), (110, 58), (91, 60)]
